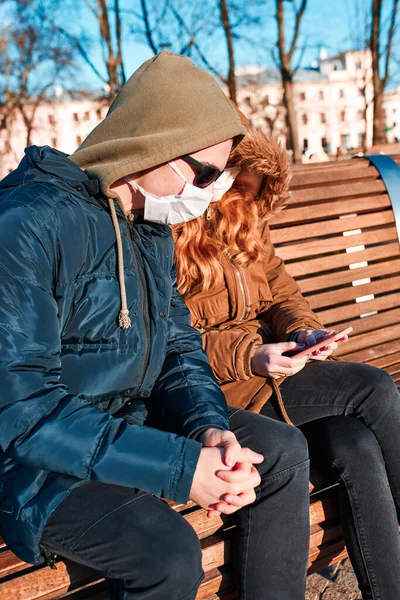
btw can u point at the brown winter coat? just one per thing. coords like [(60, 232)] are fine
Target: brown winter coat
[(260, 304)]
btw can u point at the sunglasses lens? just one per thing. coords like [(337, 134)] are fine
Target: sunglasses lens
[(206, 177)]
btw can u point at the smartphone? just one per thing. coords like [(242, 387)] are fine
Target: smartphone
[(325, 342)]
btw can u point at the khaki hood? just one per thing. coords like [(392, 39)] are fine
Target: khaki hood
[(168, 107), (267, 158)]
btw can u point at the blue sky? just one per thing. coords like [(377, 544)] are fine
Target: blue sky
[(332, 24), (326, 24)]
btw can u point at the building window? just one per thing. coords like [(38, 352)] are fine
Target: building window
[(323, 118), (50, 119), (343, 116), (324, 143), (302, 96), (341, 93), (321, 94), (304, 119), (78, 140), (76, 117), (98, 113), (54, 142), (394, 110), (305, 144), (86, 116)]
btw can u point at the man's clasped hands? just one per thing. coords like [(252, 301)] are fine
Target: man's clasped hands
[(225, 478)]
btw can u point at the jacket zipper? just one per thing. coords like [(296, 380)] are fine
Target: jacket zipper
[(241, 278), (145, 308)]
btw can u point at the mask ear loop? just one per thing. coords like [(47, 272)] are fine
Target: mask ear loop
[(175, 168)]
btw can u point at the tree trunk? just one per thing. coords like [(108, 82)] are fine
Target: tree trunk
[(291, 114), (229, 43), (287, 77), (379, 136)]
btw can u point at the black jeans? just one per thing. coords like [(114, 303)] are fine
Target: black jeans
[(151, 552), (363, 448)]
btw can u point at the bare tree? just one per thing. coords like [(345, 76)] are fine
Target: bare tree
[(231, 78), (287, 71), (111, 43), (191, 29), (381, 53), (32, 61)]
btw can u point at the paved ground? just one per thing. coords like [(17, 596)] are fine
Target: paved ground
[(335, 583)]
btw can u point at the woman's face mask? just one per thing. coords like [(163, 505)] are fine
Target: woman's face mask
[(225, 182), (191, 203)]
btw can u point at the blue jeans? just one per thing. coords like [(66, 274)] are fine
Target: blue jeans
[(361, 444), (150, 551)]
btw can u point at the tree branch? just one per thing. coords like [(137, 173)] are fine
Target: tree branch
[(299, 16), (389, 43), (149, 35)]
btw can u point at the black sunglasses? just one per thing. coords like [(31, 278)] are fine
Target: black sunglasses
[(207, 174)]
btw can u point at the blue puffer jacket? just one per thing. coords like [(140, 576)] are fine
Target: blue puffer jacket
[(67, 371)]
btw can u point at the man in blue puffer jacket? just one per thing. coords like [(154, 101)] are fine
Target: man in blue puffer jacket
[(107, 401)]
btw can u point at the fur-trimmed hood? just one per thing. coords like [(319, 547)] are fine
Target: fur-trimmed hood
[(265, 157)]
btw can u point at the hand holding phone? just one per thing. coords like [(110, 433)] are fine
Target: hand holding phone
[(335, 337)]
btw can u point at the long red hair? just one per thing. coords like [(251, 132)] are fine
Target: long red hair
[(235, 221)]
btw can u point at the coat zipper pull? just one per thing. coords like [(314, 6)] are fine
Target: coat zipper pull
[(49, 557)]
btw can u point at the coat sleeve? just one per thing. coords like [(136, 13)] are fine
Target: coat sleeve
[(41, 424), (229, 352), (186, 398), (289, 311)]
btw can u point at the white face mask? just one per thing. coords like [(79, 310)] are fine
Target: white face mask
[(225, 182), (175, 208)]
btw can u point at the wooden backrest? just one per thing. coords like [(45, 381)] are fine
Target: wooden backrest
[(338, 238)]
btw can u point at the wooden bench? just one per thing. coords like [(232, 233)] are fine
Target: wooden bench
[(339, 240)]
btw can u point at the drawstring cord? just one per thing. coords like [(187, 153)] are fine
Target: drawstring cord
[(124, 318), (280, 402)]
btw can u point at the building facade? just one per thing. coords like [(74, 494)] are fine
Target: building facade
[(333, 102)]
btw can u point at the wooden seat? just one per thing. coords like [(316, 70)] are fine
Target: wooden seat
[(339, 240)]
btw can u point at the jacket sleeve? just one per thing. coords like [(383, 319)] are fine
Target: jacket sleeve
[(289, 311), (186, 398), (229, 352), (41, 424)]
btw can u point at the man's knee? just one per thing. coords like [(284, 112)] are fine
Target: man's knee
[(173, 563), (282, 445)]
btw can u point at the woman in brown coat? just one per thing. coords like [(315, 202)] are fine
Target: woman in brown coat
[(249, 311)]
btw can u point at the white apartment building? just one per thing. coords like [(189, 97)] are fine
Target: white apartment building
[(332, 109), (333, 102), (62, 123)]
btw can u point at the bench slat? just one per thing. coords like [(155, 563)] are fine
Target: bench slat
[(9, 563), (374, 322), (341, 278), (343, 260), (46, 583), (337, 243), (348, 312), (350, 293), (313, 230), (369, 354), (370, 203), (335, 191), (325, 176), (369, 341)]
